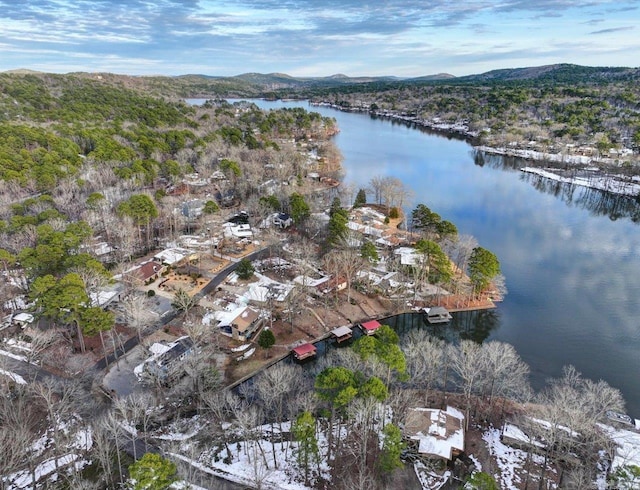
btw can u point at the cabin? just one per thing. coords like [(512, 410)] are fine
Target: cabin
[(337, 284), (437, 314), (370, 327), (342, 334), (304, 351), (434, 433)]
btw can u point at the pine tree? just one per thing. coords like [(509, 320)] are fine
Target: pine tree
[(361, 199), (266, 339)]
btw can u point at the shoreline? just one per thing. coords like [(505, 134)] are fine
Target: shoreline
[(606, 181), (283, 350)]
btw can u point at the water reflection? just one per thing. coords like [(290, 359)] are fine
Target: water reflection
[(596, 202), (466, 325), (571, 255)]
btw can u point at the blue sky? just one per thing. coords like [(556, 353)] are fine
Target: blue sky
[(315, 37)]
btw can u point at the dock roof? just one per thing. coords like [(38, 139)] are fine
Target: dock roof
[(341, 331), (371, 325), (304, 349)]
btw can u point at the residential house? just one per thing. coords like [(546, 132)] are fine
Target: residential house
[(240, 323), (173, 256), (435, 433), (237, 231), (192, 209), (167, 362), (282, 220), (148, 271)]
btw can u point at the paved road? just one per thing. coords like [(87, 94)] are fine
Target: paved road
[(209, 287), (29, 372)]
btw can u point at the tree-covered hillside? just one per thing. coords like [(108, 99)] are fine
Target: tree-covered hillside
[(76, 147)]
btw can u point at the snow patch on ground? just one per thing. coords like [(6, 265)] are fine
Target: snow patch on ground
[(596, 181), (430, 480), (13, 356), (511, 462), (16, 378), (24, 479)]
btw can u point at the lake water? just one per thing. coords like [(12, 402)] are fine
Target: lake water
[(570, 255)]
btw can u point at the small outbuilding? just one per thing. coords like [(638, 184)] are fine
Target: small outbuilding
[(437, 314), (370, 327), (342, 334)]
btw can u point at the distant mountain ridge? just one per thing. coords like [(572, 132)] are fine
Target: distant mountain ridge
[(558, 72), (253, 84)]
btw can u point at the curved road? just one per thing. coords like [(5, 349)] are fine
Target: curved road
[(210, 286)]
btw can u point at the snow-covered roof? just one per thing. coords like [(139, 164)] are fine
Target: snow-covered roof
[(172, 256), (365, 229), (265, 288), (408, 255), (197, 242), (308, 281), (239, 231), (511, 431), (103, 297), (23, 318), (438, 432)]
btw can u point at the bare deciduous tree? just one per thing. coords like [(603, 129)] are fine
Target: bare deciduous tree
[(137, 311), (424, 354), (466, 361)]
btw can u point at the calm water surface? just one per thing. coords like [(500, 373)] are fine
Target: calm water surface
[(570, 256)]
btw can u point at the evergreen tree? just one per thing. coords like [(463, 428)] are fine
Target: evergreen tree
[(392, 446), (210, 207), (483, 267), (337, 227), (266, 339), (152, 472), (304, 432), (481, 481), (369, 252), (361, 199), (299, 208), (245, 269), (271, 202)]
